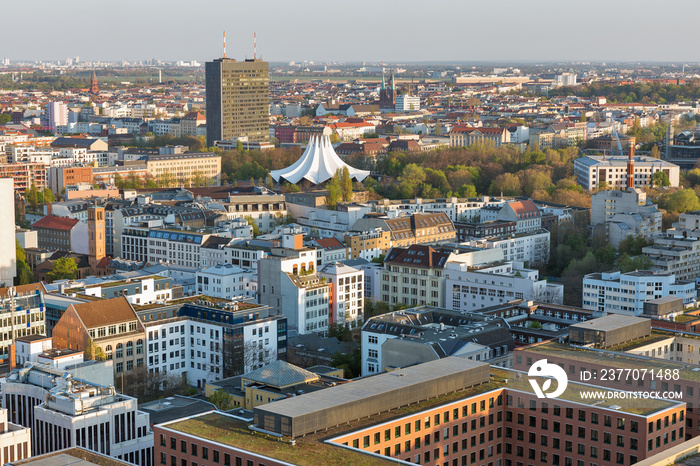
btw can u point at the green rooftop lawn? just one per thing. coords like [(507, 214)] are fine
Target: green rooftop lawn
[(634, 344), (230, 431), (685, 318), (572, 393), (617, 361)]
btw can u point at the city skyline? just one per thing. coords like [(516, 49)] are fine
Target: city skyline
[(460, 32)]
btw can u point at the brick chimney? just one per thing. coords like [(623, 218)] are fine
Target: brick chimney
[(630, 168)]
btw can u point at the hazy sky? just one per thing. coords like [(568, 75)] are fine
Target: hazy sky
[(376, 30)]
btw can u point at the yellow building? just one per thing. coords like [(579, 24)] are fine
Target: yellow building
[(189, 169), (368, 244), (273, 382)]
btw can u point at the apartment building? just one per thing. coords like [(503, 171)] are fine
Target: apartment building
[(62, 233), (416, 228), (22, 314), (457, 209), (138, 291), (469, 288), (624, 213), (265, 208), (425, 333), (203, 344), (347, 293), (368, 245), (227, 281), (65, 411), (175, 246), (531, 248), (415, 275), (289, 283), (330, 250), (185, 169), (676, 252), (25, 175), (108, 328), (626, 293), (467, 231)]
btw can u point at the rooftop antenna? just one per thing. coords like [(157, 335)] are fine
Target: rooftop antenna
[(255, 46), (224, 44)]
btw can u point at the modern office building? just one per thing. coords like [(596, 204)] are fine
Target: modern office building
[(22, 313), (65, 411), (237, 100), (452, 411), (626, 293)]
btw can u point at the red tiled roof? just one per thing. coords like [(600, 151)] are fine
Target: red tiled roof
[(330, 243), (524, 207), (53, 222)]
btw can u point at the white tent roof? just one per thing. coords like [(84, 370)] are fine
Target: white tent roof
[(318, 163)]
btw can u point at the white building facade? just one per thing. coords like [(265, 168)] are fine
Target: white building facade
[(626, 293)]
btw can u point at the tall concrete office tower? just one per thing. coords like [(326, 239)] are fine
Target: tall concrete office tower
[(8, 258), (238, 101)]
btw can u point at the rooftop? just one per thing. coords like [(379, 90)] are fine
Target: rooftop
[(614, 360), (75, 456), (228, 430)]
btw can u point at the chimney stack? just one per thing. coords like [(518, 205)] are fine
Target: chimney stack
[(630, 168)]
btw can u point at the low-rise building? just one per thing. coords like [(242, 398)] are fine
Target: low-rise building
[(422, 334), (227, 281), (593, 170), (626, 293), (469, 288)]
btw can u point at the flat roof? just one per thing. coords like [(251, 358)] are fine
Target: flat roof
[(75, 456), (234, 432), (357, 390), (614, 360), (609, 322)]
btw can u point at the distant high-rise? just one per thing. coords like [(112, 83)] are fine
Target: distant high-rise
[(56, 115), (237, 100)]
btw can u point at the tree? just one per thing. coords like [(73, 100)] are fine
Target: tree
[(24, 273), (335, 191), (256, 230), (254, 356), (64, 268), (506, 183), (351, 363), (681, 201), (239, 146), (347, 185), (32, 197), (49, 198), (655, 152), (5, 118), (660, 179), (269, 182), (628, 264), (222, 400)]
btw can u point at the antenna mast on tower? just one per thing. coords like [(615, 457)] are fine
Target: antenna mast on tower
[(255, 46), (224, 44)]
